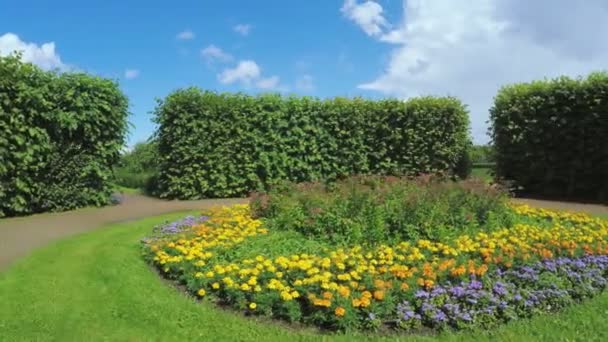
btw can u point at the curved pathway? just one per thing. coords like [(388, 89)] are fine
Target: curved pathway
[(19, 236)]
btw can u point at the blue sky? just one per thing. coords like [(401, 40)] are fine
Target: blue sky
[(316, 47)]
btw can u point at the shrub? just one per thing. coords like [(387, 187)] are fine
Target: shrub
[(220, 145), (139, 167), (482, 154), (60, 136), (551, 137), (377, 209)]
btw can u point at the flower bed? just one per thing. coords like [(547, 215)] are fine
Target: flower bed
[(544, 263)]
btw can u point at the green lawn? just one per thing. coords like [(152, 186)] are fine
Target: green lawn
[(96, 287), (482, 172)]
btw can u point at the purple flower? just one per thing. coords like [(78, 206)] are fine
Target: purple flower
[(440, 316), (475, 285)]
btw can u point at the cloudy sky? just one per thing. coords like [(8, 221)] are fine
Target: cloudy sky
[(375, 49)]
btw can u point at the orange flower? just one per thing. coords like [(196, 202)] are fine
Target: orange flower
[(379, 283), (481, 270), (366, 294), (458, 271), (379, 295), (365, 302), (340, 311), (446, 264), (404, 286), (344, 291), (328, 295), (356, 302), (427, 271)]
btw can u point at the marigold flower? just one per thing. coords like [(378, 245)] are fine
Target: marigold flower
[(340, 311), (379, 295)]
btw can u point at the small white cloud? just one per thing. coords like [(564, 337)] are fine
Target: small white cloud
[(43, 55), (245, 72), (185, 35), (368, 15), (131, 74), (248, 73), (242, 29), (271, 82), (213, 53), (305, 83)]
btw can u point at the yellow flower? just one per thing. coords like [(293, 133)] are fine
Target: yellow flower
[(215, 286), (286, 296), (379, 295), (202, 292), (340, 311), (252, 306)]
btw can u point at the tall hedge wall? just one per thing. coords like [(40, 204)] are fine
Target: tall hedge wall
[(219, 145), (60, 135), (551, 137)]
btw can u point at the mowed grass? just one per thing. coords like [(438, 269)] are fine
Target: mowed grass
[(96, 287), (482, 172)]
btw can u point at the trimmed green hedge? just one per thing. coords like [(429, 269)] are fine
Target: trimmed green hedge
[(551, 137), (220, 145), (60, 135)]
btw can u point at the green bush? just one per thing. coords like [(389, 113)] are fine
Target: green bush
[(60, 135), (551, 137), (138, 167), (220, 145), (482, 154), (380, 209)]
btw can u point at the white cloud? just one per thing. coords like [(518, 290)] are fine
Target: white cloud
[(305, 83), (131, 74), (213, 53), (248, 73), (245, 72), (271, 82), (185, 35), (445, 47), (43, 55), (368, 15), (242, 29)]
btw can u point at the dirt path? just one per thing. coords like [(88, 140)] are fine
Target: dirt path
[(19, 236)]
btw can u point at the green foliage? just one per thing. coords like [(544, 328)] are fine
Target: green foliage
[(464, 165), (221, 145), (60, 135), (482, 154), (139, 167), (382, 209), (551, 137)]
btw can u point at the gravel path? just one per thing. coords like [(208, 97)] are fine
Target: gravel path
[(19, 236)]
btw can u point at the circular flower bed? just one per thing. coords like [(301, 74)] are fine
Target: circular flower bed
[(549, 261)]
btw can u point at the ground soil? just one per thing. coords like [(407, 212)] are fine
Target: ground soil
[(19, 236)]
